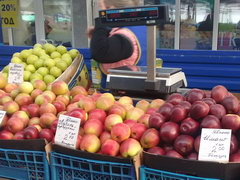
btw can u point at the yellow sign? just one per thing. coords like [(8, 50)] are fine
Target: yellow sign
[(9, 11)]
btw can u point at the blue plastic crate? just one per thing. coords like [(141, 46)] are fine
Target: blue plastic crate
[(153, 174), (64, 167), (23, 165)]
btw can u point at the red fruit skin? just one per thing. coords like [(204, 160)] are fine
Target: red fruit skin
[(187, 105), (99, 113), (178, 113), (46, 134), (218, 93), (137, 131), (235, 157), (165, 110), (195, 95), (211, 121), (167, 147), (169, 132), (31, 132), (175, 98), (156, 150), (189, 126), (231, 121), (197, 143), (199, 110), (217, 110), (231, 103), (184, 144), (192, 156), (173, 153), (233, 144), (209, 101), (53, 126), (19, 135), (156, 120)]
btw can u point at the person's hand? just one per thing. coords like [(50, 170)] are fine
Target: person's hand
[(90, 31)]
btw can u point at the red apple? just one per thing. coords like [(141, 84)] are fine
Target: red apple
[(187, 105), (193, 156), (104, 136), (120, 132), (5, 134), (144, 119), (165, 110), (118, 109), (137, 131), (217, 110), (233, 144), (63, 98), (211, 121), (169, 132), (59, 87), (46, 134), (23, 99), (189, 126), (130, 148), (47, 108), (78, 90), (11, 107), (235, 157), (156, 120), (151, 110), (150, 138), (110, 147), (173, 153), (15, 124), (33, 110), (209, 101), (87, 104), (19, 135), (218, 93), (47, 119), (231, 121), (78, 113), (231, 103), (53, 126), (156, 150), (184, 144), (34, 120), (143, 104), (35, 93), (90, 143), (72, 107), (156, 103), (93, 126), (195, 95), (178, 113), (130, 122), (31, 132), (199, 110), (60, 106), (197, 143), (111, 120), (97, 114), (175, 98), (134, 113)]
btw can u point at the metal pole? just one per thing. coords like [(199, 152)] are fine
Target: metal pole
[(215, 24), (39, 21), (151, 53), (177, 24)]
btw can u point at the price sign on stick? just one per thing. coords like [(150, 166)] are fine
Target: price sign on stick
[(215, 145), (67, 131), (15, 74), (2, 114)]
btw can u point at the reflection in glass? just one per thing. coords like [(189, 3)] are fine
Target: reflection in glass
[(196, 24), (24, 34), (58, 22), (165, 32), (229, 25)]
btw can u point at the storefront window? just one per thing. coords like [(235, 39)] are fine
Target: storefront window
[(229, 25), (58, 22), (196, 24), (165, 33), (24, 34)]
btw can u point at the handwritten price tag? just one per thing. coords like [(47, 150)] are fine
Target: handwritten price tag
[(15, 75), (67, 131), (2, 114), (215, 145)]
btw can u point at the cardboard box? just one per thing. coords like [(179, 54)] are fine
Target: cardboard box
[(136, 161), (224, 171)]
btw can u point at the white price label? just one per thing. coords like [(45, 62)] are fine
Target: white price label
[(15, 75), (215, 145), (2, 114), (67, 131)]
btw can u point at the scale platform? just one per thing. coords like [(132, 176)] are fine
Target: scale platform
[(134, 78)]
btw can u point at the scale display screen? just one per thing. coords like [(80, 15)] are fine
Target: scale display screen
[(135, 16)]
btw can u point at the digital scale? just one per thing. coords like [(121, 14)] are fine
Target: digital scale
[(142, 79)]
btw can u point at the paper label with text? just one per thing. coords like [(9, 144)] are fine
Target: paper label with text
[(215, 145), (67, 131), (2, 114), (15, 75)]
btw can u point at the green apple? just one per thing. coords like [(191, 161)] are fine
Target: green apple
[(6, 69), (37, 51), (24, 54), (48, 78), (43, 71), (73, 53), (37, 46), (16, 60), (68, 60), (55, 54), (57, 59), (49, 48), (24, 64), (66, 55), (49, 63), (30, 68), (36, 76), (17, 54), (56, 72), (32, 59), (26, 75), (62, 65), (44, 56), (39, 63), (61, 49)]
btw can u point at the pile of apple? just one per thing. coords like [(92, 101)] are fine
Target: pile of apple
[(177, 124), (43, 62)]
